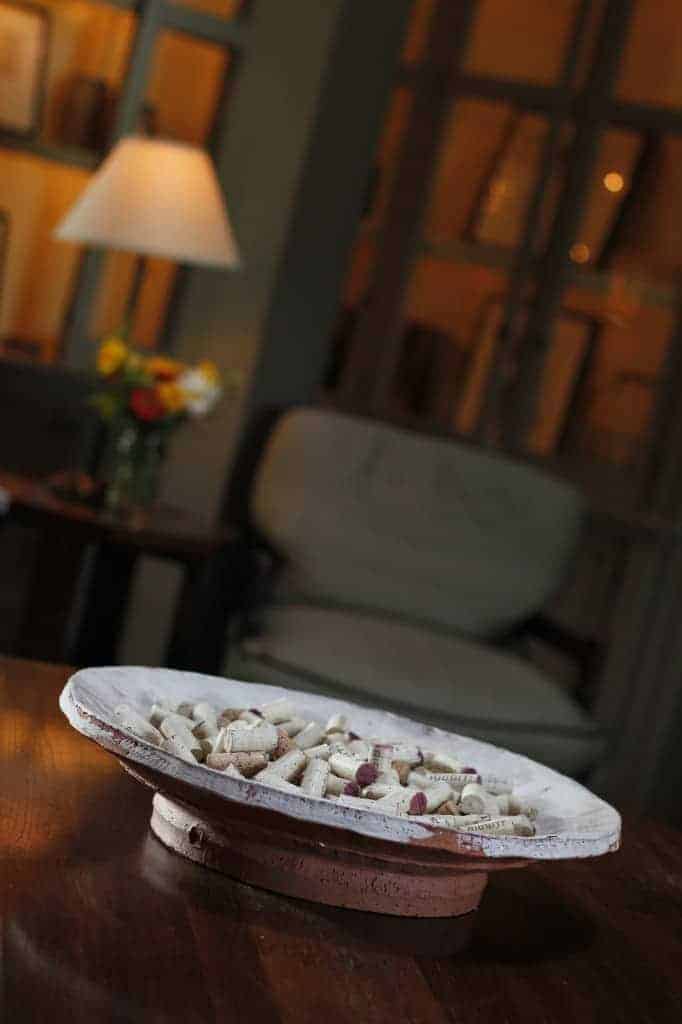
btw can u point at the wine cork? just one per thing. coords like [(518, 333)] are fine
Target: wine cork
[(158, 712), (381, 756), (449, 807), (237, 725), (420, 779), (228, 715), (407, 752), (289, 766), (246, 764), (250, 717), (402, 769), (344, 764), (262, 736), (314, 781), (377, 790), (437, 761), (310, 736), (278, 711), (206, 749), (398, 801), (456, 780), (435, 796), (475, 800), (131, 720), (322, 750), (361, 748), (185, 709), (337, 723), (177, 727), (293, 725), (218, 741), (335, 784), (284, 744), (202, 711), (349, 767), (206, 729)]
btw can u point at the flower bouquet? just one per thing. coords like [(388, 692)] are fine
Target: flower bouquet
[(142, 400)]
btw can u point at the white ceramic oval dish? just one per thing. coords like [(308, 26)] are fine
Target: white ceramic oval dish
[(572, 822)]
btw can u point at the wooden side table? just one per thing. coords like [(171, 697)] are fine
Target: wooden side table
[(84, 570)]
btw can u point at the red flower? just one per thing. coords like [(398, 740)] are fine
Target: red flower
[(147, 405)]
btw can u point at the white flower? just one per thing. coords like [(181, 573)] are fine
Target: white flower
[(203, 394)]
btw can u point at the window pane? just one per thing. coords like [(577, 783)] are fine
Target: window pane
[(220, 8), (486, 174), (631, 226), (87, 57), (651, 68), (520, 40), (450, 339), (185, 85), (616, 400), (37, 274), (648, 240), (606, 210)]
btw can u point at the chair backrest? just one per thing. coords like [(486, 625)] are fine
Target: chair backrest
[(373, 516)]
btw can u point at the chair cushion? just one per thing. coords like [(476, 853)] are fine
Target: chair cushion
[(370, 515), (432, 676)]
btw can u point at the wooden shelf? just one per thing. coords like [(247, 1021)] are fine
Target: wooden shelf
[(72, 156)]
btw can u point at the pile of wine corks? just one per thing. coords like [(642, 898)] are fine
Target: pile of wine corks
[(273, 745)]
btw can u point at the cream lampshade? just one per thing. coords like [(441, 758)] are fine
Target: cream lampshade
[(155, 197)]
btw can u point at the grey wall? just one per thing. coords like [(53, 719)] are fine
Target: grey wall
[(262, 145), (294, 156)]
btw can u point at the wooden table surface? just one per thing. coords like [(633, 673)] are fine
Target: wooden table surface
[(101, 923)]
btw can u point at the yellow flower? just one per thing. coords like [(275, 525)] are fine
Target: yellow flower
[(163, 368), (210, 371), (112, 354), (173, 398)]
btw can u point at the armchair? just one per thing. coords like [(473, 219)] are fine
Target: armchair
[(397, 569)]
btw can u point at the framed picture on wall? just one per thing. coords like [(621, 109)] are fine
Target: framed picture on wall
[(24, 34)]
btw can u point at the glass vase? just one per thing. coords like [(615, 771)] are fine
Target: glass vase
[(132, 467)]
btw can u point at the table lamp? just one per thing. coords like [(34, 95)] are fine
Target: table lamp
[(154, 197)]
